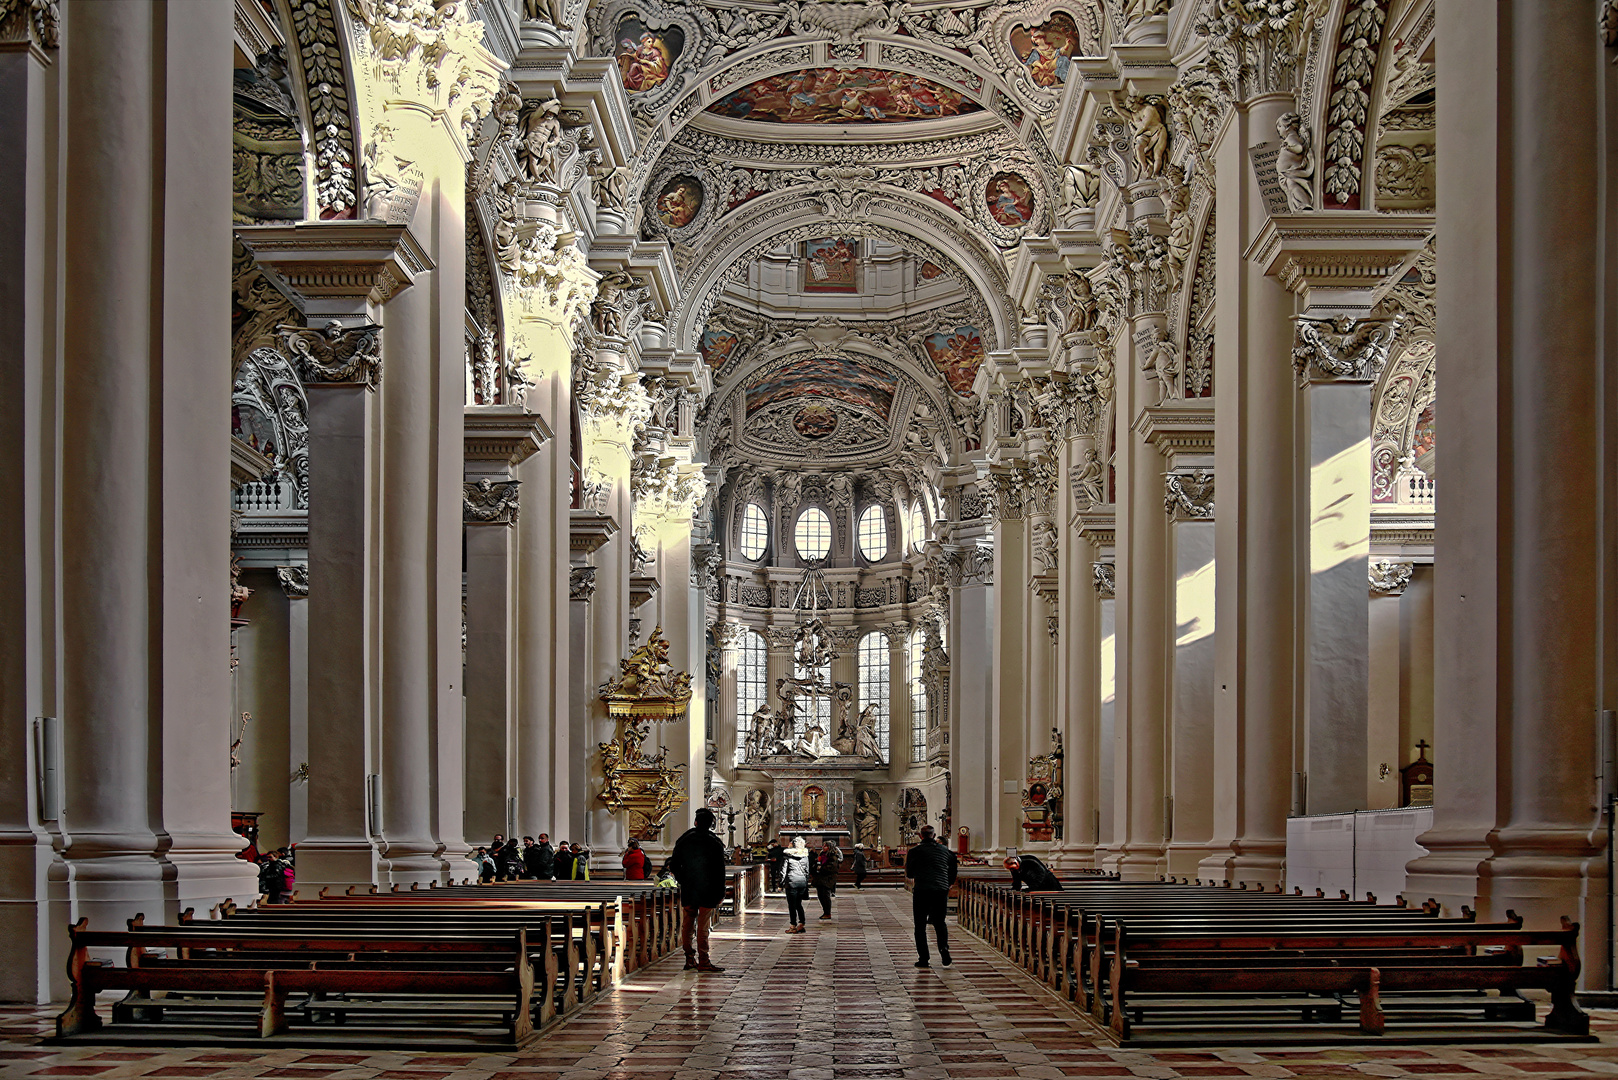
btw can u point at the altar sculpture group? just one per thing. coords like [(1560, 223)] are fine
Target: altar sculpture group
[(773, 733)]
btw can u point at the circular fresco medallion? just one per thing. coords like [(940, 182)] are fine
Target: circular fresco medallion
[(815, 421), (1011, 203), (679, 201)]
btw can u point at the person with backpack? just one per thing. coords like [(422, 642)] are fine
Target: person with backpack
[(795, 883), (824, 873), (581, 863)]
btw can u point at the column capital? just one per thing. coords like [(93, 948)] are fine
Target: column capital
[(1342, 349), (1104, 576), (1388, 577), (339, 267), (1189, 496), (490, 502), (294, 580), (336, 354), (581, 583), (34, 23), (727, 634)]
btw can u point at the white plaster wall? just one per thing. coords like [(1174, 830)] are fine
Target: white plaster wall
[(1357, 852)]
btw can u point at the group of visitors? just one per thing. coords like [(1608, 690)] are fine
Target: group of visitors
[(504, 860), (276, 875)]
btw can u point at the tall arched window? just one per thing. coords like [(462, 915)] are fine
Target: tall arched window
[(813, 534), (752, 682), (873, 666), (874, 533), (918, 698), (755, 532)]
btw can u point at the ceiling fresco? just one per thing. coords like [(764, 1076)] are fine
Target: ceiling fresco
[(956, 354), (830, 96), (840, 378)]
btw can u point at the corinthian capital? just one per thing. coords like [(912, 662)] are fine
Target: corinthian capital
[(544, 280), (428, 55), (1389, 578), (33, 21), (337, 353), (1343, 349), (1257, 44), (490, 502), (612, 403), (1104, 576), (1189, 496), (581, 583), (294, 581)]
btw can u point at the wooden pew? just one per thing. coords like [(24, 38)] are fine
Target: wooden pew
[(491, 968)]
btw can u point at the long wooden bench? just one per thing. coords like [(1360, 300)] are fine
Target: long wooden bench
[(489, 974), (431, 967), (1151, 961)]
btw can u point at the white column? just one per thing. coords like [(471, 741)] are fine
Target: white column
[(28, 437), (1108, 838), (295, 582), (108, 312), (340, 360), (1388, 581), (1254, 453), (1519, 535), (1008, 701), (1191, 540)]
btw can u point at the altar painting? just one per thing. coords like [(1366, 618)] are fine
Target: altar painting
[(829, 265), (1047, 50), (831, 96), (956, 353), (646, 57)]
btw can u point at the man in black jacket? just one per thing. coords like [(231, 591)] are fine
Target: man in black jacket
[(1032, 874), (539, 860), (775, 857), (698, 864), (932, 866)]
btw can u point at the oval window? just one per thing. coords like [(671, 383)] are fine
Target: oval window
[(813, 534), (755, 532), (873, 533)]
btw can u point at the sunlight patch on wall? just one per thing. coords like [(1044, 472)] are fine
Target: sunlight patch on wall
[(1340, 508), (1194, 605)]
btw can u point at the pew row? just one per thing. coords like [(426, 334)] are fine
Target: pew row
[(1163, 964)]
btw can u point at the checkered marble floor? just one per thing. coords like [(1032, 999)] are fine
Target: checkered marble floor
[(837, 1003)]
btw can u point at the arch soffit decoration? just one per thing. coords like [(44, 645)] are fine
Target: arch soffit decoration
[(901, 218)]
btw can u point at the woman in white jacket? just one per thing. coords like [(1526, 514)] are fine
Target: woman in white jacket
[(795, 882)]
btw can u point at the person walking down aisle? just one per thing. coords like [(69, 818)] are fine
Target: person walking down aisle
[(636, 863), (932, 867), (827, 860), (795, 883), (860, 865), (698, 864)]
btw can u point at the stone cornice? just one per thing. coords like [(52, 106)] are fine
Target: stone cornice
[(1343, 256), (502, 433), (339, 259), (588, 531), (1178, 427), (642, 587), (1098, 525)]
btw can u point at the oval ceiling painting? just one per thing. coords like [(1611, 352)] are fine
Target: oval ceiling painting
[(645, 57), (679, 201), (815, 421), (830, 96)]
